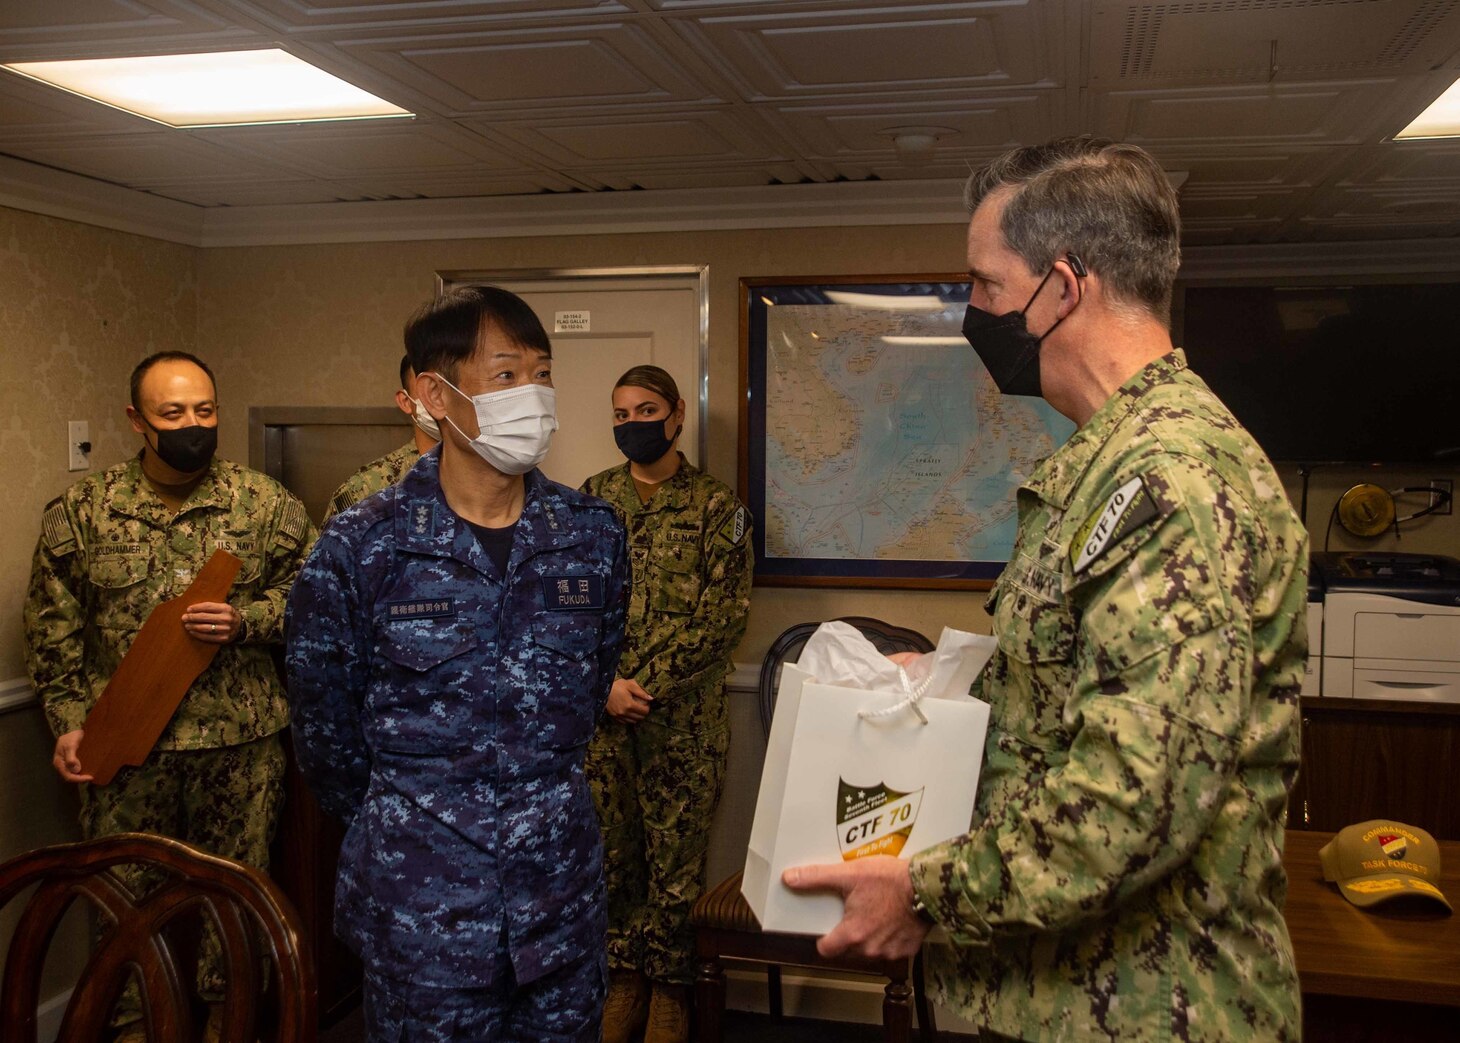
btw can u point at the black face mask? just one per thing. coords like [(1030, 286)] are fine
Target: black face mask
[(1005, 345), (643, 441), (186, 449)]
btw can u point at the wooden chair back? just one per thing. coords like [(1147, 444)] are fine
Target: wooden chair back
[(250, 915)]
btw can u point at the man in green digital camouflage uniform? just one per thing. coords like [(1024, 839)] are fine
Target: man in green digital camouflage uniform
[(1123, 879), (112, 548), (392, 467), (657, 768)]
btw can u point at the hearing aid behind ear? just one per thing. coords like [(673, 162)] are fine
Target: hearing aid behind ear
[(1076, 265)]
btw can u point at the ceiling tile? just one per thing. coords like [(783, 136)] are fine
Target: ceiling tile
[(137, 159), (1197, 41), (922, 46), (602, 63), (648, 139), (1416, 164), (347, 150), (39, 29), (846, 128), (1223, 115), (334, 15)]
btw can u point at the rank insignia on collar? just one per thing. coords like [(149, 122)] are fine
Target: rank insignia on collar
[(1127, 509), (421, 518)]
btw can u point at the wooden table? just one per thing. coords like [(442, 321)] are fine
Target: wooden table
[(1347, 957)]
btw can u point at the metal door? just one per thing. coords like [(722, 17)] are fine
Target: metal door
[(312, 449)]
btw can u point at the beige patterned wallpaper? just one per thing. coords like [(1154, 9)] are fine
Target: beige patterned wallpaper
[(79, 306)]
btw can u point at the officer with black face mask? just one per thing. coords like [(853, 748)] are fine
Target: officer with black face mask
[(1122, 877), (113, 548), (657, 762)]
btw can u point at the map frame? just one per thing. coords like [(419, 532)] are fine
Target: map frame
[(757, 296)]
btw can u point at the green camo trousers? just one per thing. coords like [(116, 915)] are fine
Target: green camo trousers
[(656, 785), (224, 801)]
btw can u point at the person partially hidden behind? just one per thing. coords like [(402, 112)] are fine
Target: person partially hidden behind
[(115, 546), (1123, 878), (392, 467), (451, 643)]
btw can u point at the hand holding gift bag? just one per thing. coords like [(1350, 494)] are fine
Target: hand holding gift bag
[(865, 757)]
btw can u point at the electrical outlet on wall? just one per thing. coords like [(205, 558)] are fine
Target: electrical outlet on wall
[(78, 445)]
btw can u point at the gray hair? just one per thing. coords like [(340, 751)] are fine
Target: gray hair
[(1105, 201)]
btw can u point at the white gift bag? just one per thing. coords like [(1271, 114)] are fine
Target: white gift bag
[(850, 773)]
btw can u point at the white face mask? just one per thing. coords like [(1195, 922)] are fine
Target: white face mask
[(424, 420), (516, 425)]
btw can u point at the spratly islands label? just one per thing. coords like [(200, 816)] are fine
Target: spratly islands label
[(874, 820)]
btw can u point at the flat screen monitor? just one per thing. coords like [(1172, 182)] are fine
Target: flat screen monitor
[(1360, 373)]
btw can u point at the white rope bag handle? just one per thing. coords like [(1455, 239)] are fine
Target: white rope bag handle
[(915, 693)]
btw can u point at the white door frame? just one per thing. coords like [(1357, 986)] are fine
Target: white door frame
[(446, 280)]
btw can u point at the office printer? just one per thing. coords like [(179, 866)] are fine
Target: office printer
[(1390, 626)]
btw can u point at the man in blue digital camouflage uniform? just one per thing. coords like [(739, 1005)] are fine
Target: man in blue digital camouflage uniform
[(450, 644)]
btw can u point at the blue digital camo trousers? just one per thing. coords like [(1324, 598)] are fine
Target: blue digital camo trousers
[(564, 1006)]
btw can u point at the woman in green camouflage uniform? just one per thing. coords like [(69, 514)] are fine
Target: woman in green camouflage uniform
[(658, 760)]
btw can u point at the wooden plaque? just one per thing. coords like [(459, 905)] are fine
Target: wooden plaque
[(152, 678)]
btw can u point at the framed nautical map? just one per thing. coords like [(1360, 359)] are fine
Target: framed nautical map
[(879, 453)]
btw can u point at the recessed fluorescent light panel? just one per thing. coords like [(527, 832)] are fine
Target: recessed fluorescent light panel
[(220, 89), (1440, 120)]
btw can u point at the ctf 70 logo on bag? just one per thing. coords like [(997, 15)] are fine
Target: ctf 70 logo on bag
[(874, 820)]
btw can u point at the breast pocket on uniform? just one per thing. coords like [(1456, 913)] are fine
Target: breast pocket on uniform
[(674, 580), (422, 645), (571, 634), (1036, 629), (422, 704), (118, 571), (567, 659)]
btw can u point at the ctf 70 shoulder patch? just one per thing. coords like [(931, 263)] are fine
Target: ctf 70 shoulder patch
[(1127, 509), (734, 529)]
